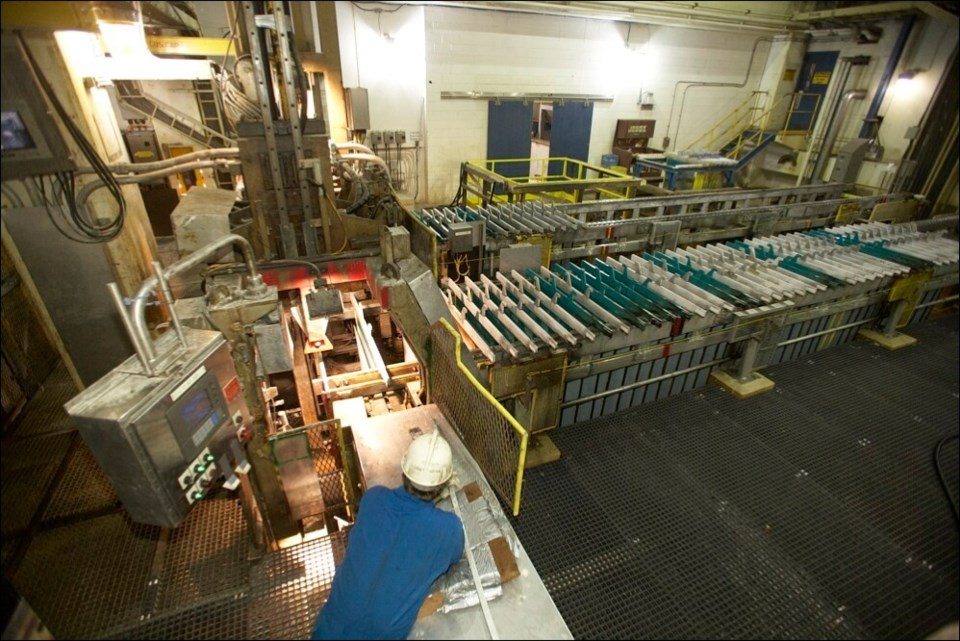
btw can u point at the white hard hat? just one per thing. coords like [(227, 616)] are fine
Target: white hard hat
[(428, 462)]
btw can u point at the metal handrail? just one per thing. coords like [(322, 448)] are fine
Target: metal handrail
[(500, 409), (754, 131), (712, 139)]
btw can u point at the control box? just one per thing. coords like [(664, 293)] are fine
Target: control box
[(166, 440)]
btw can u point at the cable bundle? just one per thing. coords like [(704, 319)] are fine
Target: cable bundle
[(84, 228)]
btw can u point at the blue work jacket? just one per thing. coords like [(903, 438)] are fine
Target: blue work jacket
[(398, 547)]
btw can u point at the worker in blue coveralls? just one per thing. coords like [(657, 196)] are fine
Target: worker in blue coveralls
[(400, 544)]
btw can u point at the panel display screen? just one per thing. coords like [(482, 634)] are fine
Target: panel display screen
[(197, 413), (15, 136), (195, 410)]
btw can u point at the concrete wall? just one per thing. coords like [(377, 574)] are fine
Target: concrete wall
[(927, 49), (493, 51), (384, 53), (474, 50)]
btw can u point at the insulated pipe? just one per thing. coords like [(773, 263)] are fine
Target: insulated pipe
[(831, 137), (139, 333), (87, 190), (355, 146), (203, 154), (348, 171), (892, 62), (364, 156)]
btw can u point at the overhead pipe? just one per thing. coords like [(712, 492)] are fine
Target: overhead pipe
[(136, 322), (351, 146), (692, 83), (877, 10), (673, 14), (87, 190), (892, 61), (138, 168), (833, 131)]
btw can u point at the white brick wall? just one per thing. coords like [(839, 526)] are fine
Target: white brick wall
[(480, 50), (475, 50), (390, 68)]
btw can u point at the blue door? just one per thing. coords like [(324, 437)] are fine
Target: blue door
[(814, 79), (508, 135), (570, 134)]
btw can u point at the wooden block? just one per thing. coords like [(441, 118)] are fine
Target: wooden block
[(431, 604), (506, 562), (472, 492)]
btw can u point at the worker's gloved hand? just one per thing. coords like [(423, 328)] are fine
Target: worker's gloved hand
[(452, 486)]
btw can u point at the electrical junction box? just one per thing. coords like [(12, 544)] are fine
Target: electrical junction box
[(460, 238), (358, 108), (165, 440)]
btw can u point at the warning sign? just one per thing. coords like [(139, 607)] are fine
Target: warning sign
[(821, 78)]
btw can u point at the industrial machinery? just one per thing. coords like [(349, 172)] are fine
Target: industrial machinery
[(513, 314), (576, 311), (168, 424)]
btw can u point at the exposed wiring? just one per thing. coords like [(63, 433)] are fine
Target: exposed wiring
[(52, 204), (458, 262), (343, 223), (231, 34), (11, 195), (940, 475), (88, 229), (460, 188)]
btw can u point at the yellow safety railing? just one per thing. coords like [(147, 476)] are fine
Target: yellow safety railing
[(751, 127), (759, 126), (721, 132), (795, 109), (495, 439), (570, 180)]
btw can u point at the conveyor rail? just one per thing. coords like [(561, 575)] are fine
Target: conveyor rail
[(573, 303)]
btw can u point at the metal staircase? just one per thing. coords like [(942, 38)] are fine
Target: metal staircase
[(744, 133), (130, 93)]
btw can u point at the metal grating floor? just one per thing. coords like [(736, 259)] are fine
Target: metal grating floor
[(813, 511), (88, 571)]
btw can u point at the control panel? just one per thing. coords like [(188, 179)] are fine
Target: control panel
[(167, 440)]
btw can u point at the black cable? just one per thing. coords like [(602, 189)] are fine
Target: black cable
[(943, 480), (62, 227), (460, 187), (90, 230)]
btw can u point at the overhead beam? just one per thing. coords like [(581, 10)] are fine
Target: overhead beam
[(726, 16)]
